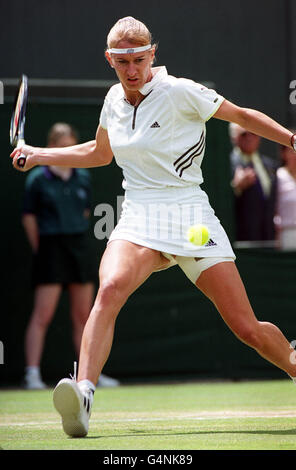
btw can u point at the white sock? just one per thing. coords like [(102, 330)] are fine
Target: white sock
[(86, 384), (32, 370), (294, 379)]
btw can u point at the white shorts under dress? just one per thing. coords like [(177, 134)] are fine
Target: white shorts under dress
[(160, 218)]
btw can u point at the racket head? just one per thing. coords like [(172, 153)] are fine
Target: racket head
[(18, 116)]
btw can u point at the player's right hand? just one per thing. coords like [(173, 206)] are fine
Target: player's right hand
[(30, 152)]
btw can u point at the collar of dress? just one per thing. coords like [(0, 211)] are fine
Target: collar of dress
[(159, 73)]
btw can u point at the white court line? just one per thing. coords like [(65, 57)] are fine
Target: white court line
[(242, 415)]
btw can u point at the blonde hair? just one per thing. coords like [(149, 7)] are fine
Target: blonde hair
[(59, 130), (234, 131), (129, 29)]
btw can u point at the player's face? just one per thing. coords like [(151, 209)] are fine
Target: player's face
[(248, 142), (133, 70)]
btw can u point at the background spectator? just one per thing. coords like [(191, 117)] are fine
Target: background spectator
[(56, 213), (254, 186), (285, 218)]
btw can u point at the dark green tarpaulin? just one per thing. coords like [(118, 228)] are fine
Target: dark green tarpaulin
[(167, 329)]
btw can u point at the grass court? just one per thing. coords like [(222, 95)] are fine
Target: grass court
[(256, 415)]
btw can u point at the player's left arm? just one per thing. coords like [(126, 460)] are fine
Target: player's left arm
[(256, 122)]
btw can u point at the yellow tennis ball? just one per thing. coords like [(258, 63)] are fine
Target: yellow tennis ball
[(198, 234)]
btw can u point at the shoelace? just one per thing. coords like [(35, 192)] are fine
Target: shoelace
[(74, 376)]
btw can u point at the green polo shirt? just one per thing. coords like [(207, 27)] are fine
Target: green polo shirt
[(60, 206)]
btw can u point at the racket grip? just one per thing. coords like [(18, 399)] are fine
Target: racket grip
[(21, 160)]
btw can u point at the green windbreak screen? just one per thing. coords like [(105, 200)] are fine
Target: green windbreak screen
[(167, 328)]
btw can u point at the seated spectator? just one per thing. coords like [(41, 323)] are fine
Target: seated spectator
[(254, 186), (285, 211)]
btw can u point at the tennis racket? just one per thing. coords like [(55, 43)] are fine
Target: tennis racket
[(18, 118)]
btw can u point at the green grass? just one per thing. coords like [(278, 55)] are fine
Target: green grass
[(224, 416)]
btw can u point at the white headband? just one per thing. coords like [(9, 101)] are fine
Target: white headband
[(130, 50)]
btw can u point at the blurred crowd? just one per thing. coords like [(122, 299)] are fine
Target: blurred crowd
[(264, 190)]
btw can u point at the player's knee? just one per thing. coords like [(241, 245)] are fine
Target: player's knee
[(112, 292), (249, 334)]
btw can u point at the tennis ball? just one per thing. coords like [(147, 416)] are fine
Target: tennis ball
[(198, 234)]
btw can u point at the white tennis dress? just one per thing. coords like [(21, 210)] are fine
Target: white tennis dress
[(160, 145)]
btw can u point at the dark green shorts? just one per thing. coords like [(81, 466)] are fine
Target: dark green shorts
[(64, 259)]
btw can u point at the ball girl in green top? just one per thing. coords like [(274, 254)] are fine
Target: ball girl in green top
[(56, 210)]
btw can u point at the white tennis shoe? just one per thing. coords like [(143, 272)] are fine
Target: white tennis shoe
[(34, 383), (73, 403)]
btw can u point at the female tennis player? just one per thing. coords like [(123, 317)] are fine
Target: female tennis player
[(154, 125)]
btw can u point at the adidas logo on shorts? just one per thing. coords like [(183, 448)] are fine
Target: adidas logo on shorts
[(154, 125), (211, 243)]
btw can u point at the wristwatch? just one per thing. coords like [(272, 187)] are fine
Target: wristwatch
[(293, 142)]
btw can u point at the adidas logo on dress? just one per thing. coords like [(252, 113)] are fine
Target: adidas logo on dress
[(155, 124)]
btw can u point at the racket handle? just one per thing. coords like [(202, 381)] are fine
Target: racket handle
[(21, 160)]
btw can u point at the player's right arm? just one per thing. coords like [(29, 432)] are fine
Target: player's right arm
[(91, 154)]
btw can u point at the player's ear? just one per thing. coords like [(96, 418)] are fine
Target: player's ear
[(109, 59), (152, 52)]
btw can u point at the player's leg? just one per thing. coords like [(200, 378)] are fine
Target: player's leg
[(45, 302), (81, 300), (222, 284), (124, 267), (81, 296)]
